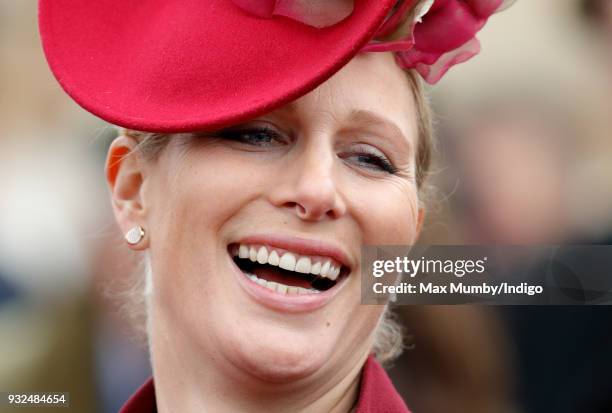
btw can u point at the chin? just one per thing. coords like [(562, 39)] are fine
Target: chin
[(272, 359)]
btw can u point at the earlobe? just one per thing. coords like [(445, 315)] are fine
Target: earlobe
[(125, 180)]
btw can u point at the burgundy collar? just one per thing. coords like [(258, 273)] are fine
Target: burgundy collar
[(376, 394)]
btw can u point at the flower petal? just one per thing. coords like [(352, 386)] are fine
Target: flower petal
[(316, 13), (433, 67), (445, 37)]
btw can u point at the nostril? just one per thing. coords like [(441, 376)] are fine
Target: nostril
[(314, 212), (292, 205), (301, 210), (314, 208), (332, 213)]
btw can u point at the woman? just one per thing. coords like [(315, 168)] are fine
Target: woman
[(259, 152)]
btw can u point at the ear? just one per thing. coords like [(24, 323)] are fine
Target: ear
[(125, 178), (420, 221)]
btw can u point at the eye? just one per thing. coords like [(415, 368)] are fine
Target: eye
[(259, 136), (370, 159)]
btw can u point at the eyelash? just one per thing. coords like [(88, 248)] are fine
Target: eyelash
[(237, 135), (374, 161), (379, 161)]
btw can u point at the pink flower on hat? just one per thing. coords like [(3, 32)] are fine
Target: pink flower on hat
[(446, 36), (442, 32), (317, 13)]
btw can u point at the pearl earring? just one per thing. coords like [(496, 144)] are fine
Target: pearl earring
[(134, 235)]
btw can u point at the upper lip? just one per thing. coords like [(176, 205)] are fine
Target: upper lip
[(300, 245)]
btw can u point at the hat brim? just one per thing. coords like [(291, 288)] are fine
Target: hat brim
[(185, 65)]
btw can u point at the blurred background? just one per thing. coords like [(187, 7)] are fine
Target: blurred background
[(523, 156)]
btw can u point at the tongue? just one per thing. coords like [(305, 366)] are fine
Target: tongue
[(279, 275)]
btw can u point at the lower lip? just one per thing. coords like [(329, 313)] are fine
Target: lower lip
[(288, 303)]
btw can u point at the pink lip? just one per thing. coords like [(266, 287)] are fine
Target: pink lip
[(299, 245)]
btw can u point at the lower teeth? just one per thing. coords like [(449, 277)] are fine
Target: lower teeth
[(280, 288)]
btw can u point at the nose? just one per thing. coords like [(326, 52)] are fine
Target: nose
[(307, 186)]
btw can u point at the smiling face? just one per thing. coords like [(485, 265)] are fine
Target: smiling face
[(228, 217)]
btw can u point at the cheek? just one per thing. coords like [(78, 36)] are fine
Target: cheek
[(387, 212), (190, 200), (199, 193)]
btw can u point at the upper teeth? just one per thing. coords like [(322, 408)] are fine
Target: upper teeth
[(325, 267)]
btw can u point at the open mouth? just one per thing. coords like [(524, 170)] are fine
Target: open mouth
[(285, 271)]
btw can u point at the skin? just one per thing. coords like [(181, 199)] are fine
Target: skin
[(213, 347)]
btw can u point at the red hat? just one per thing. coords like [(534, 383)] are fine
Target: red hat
[(185, 65)]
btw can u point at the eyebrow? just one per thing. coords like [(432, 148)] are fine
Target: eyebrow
[(289, 108), (391, 129), (365, 117)]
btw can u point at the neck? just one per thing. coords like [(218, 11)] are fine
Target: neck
[(195, 384)]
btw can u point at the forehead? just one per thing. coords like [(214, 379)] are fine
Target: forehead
[(371, 86)]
